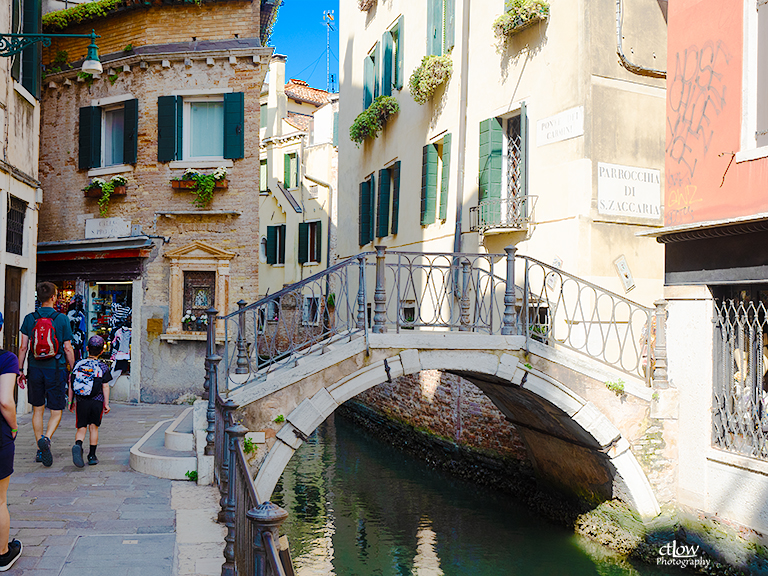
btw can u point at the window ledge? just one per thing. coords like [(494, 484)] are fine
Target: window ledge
[(188, 337), (737, 461), (311, 264), (24, 93), (107, 170), (279, 265), (752, 154), (213, 163)]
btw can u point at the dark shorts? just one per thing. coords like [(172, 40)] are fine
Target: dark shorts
[(88, 411), (47, 386)]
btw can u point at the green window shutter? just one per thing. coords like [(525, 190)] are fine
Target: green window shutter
[(387, 46), (395, 196), (318, 255), (167, 127), (295, 167), (287, 171), (131, 131), (382, 208), (271, 244), (524, 157), (234, 125), (303, 242), (491, 138), (450, 25), (16, 13), (376, 58), (399, 70), (428, 184), (89, 138), (368, 79), (281, 253), (445, 177), (30, 57), (365, 213), (372, 208), (434, 27)]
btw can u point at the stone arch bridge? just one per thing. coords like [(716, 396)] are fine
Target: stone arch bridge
[(560, 357)]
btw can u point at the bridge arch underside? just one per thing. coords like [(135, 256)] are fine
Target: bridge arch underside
[(572, 445)]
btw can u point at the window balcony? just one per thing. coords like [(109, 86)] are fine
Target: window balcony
[(512, 214)]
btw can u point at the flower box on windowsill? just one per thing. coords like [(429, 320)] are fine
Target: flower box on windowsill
[(190, 184), (97, 193)]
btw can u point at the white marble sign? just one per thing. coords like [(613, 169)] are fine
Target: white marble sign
[(563, 126), (628, 191), (107, 228)]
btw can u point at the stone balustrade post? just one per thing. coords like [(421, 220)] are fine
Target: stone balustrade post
[(242, 342), (660, 376), (380, 294), (361, 319), (464, 304), (509, 323)]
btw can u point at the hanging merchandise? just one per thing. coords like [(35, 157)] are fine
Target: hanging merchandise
[(121, 352), (76, 315)]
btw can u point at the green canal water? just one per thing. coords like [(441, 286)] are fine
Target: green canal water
[(359, 507)]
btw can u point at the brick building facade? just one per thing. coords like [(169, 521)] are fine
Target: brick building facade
[(180, 91)]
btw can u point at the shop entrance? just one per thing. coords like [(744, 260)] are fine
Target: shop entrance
[(11, 309)]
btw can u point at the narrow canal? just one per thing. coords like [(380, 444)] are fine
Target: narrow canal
[(359, 507)]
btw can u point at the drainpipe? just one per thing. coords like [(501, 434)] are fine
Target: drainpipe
[(634, 68), (462, 125)]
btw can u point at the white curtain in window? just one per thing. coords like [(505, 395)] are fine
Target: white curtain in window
[(206, 129), (113, 136)]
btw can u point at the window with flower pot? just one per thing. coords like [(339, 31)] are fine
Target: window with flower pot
[(199, 295), (435, 171), (202, 127), (108, 133), (441, 16)]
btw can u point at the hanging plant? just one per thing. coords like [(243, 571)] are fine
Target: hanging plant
[(201, 185), (519, 15), (433, 71), (371, 121), (104, 189)]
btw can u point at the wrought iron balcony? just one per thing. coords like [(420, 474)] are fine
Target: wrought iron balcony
[(509, 213)]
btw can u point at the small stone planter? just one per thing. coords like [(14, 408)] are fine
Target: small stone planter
[(97, 193), (190, 184)]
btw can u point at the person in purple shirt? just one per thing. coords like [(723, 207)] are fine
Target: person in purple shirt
[(9, 370)]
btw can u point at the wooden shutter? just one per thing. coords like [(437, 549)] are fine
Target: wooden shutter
[(428, 184), (287, 171), (234, 125), (318, 255), (491, 138), (303, 242), (130, 131), (372, 207), (364, 213), (16, 18), (434, 27), (382, 208), (281, 244), (395, 196), (450, 25), (376, 79), (368, 80), (387, 46), (30, 56), (89, 138), (271, 244), (445, 177), (167, 128), (399, 70)]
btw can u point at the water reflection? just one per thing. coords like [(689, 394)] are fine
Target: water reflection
[(359, 508)]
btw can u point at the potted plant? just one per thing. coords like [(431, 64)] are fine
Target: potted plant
[(202, 322), (104, 190), (519, 15), (371, 121), (189, 321), (433, 71), (201, 184)]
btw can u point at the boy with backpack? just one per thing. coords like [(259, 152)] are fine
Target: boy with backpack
[(47, 336), (89, 387)]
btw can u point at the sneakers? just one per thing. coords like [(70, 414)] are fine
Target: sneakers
[(92, 460), (14, 551), (39, 456), (45, 451), (77, 455)]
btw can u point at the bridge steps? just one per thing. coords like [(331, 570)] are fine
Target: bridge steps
[(168, 449)]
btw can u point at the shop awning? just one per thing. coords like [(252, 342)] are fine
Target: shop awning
[(96, 260)]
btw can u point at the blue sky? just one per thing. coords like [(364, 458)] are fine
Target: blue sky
[(301, 35)]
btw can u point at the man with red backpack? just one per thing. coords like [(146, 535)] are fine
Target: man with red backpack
[(47, 336)]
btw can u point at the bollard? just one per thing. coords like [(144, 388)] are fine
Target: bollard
[(380, 294), (242, 347), (235, 433), (464, 296), (266, 520), (361, 294), (509, 323), (222, 453)]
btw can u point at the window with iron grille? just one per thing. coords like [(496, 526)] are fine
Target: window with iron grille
[(14, 240), (199, 291)]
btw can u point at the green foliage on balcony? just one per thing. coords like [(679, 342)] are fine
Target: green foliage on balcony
[(433, 71), (520, 14), (371, 121)]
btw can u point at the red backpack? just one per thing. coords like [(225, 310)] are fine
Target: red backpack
[(45, 345)]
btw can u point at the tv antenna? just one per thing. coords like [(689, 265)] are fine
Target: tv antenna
[(328, 21)]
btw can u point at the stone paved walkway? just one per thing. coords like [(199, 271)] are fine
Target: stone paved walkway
[(107, 519)]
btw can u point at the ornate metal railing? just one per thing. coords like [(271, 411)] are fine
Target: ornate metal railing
[(513, 213), (740, 397)]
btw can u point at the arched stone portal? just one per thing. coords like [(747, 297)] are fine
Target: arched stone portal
[(558, 424)]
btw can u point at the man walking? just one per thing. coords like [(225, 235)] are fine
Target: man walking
[(50, 336)]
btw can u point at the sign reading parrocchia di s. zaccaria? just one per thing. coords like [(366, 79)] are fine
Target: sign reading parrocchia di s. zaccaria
[(628, 191)]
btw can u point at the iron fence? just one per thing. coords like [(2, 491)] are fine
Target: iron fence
[(740, 391), (513, 213)]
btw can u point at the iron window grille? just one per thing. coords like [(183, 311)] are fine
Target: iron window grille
[(14, 239)]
